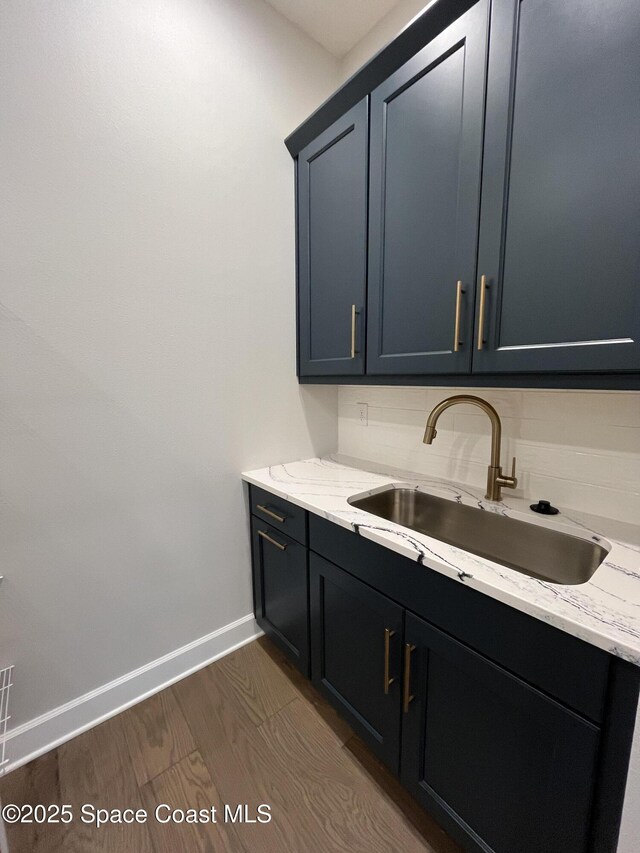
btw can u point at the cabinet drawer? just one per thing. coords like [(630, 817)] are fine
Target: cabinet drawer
[(280, 514), (281, 591), (569, 669)]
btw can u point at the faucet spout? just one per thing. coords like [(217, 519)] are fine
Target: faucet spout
[(495, 478), (429, 434)]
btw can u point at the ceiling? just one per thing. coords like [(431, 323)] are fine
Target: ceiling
[(335, 24)]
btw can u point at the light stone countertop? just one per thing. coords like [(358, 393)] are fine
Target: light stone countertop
[(604, 611)]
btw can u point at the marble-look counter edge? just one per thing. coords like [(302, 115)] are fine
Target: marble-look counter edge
[(581, 611)]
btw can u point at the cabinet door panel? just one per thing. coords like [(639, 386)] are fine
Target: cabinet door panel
[(426, 145), (348, 622), (332, 234), (280, 583), (560, 225), (503, 766)]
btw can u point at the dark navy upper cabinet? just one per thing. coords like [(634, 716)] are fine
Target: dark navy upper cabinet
[(332, 247), (477, 213), (425, 162), (560, 223)]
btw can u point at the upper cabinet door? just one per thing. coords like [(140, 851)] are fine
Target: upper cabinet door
[(560, 223), (332, 247), (426, 152)]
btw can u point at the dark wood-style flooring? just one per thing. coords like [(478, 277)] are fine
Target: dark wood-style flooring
[(247, 729)]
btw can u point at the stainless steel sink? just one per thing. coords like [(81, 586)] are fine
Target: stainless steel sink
[(528, 548)]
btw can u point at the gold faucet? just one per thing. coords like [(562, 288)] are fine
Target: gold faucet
[(496, 480)]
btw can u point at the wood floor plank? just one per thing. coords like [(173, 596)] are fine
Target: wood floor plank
[(244, 767), (305, 688), (325, 795), (34, 784), (157, 735), (261, 684), (354, 813), (391, 788), (97, 762), (96, 769), (188, 785)]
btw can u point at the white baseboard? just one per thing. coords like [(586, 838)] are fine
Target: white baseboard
[(34, 738)]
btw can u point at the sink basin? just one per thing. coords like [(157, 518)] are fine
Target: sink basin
[(528, 548)]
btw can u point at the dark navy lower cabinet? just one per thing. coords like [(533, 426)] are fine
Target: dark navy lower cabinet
[(356, 641), (280, 584), (514, 735), (503, 767)]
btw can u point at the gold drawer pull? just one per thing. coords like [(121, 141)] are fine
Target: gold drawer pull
[(354, 314), (456, 328), (483, 294), (280, 518), (407, 696), (266, 536), (387, 681)]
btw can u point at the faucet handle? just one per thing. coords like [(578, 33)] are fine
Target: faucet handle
[(508, 481), (511, 482)]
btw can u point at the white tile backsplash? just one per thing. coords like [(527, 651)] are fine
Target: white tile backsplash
[(580, 449)]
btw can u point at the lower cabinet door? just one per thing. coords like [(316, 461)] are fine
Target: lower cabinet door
[(281, 585), (356, 662), (503, 767)]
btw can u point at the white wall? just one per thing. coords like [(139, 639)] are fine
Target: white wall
[(580, 449), (380, 35), (147, 325)]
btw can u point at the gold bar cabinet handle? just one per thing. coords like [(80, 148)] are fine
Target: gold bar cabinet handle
[(407, 696), (387, 681), (354, 314), (280, 518), (266, 536), (483, 294), (456, 329)]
